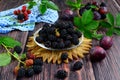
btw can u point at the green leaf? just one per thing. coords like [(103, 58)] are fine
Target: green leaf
[(88, 34), (15, 55), (31, 4), (92, 25), (77, 21), (42, 8), (105, 24), (110, 32), (78, 1), (73, 4), (51, 5), (97, 36), (87, 17), (110, 19), (118, 19), (117, 31), (93, 6), (10, 42), (23, 56), (5, 59)]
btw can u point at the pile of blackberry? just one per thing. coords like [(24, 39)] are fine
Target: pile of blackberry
[(99, 10), (59, 35), (36, 68)]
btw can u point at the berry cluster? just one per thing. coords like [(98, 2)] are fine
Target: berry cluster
[(62, 74), (22, 15), (30, 66), (59, 35), (99, 11)]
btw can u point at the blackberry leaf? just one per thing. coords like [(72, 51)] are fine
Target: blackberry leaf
[(5, 59)]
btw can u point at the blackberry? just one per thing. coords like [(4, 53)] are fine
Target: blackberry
[(17, 49), (20, 16), (29, 72), (47, 44), (75, 41), (67, 43), (78, 33), (103, 16), (77, 66), (68, 37), (61, 45), (88, 6), (70, 25), (59, 40), (37, 69), (51, 30), (41, 32), (21, 72), (38, 61), (74, 36), (102, 4), (54, 45), (63, 32), (39, 39), (51, 38), (61, 74), (82, 10), (70, 30), (64, 56)]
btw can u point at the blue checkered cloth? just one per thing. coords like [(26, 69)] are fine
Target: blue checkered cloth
[(9, 22)]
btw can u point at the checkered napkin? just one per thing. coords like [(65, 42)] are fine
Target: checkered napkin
[(8, 21)]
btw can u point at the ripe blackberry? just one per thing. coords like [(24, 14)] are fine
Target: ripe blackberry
[(51, 38), (41, 32), (29, 72), (63, 32), (61, 74), (51, 30), (74, 36), (79, 34), (61, 45), (70, 30), (39, 39), (70, 25), (20, 16), (54, 45), (21, 72), (103, 16), (38, 61), (67, 43), (82, 10), (47, 44), (64, 56), (88, 6), (68, 37), (102, 4), (77, 66), (37, 69), (17, 49), (75, 41)]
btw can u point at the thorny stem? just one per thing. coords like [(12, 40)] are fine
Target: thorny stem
[(12, 54)]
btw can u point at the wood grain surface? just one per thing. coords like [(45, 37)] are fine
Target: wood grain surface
[(108, 69)]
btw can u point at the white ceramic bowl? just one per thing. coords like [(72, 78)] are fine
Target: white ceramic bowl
[(43, 46)]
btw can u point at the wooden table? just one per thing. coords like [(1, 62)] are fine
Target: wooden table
[(108, 69)]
